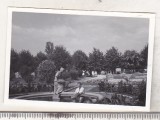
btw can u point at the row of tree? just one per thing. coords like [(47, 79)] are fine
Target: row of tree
[(25, 63)]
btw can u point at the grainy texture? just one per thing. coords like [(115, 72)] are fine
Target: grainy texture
[(102, 5)]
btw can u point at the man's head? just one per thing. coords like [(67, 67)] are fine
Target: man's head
[(61, 69), (79, 84)]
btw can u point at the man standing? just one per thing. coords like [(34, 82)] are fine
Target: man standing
[(59, 82), (78, 92)]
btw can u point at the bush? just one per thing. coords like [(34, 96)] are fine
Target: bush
[(74, 74), (80, 73), (12, 75), (66, 75), (46, 71), (101, 86), (120, 87), (142, 93)]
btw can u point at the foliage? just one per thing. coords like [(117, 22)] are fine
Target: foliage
[(46, 71), (66, 75), (61, 57), (122, 87), (96, 61), (112, 59), (46, 64), (12, 75), (101, 86), (80, 73), (144, 56), (29, 80), (74, 74), (25, 71), (131, 60), (26, 63), (39, 58), (79, 60), (142, 93), (14, 61), (23, 63)]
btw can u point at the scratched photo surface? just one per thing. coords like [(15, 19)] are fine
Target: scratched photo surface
[(79, 58)]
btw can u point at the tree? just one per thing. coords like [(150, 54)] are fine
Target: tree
[(14, 67), (46, 71), (96, 61), (61, 57), (144, 56), (131, 60), (73, 74), (49, 49), (14, 61), (39, 58), (112, 59), (26, 63), (79, 60)]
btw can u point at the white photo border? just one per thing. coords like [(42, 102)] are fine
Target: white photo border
[(80, 107)]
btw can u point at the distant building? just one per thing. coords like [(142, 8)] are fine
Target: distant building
[(118, 70)]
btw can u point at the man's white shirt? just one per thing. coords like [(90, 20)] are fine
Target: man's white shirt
[(79, 90)]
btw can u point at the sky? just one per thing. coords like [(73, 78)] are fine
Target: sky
[(31, 31)]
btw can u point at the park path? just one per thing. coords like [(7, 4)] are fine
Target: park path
[(85, 79), (93, 78)]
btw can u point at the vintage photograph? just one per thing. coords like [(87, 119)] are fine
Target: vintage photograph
[(79, 58)]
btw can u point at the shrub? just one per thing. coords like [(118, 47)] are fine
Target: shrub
[(46, 71), (129, 89), (74, 74), (80, 73), (66, 75), (101, 86), (12, 75), (120, 87), (142, 93)]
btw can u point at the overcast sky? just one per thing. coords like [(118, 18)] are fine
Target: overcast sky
[(31, 31)]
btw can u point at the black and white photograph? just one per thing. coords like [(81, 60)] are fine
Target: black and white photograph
[(75, 57)]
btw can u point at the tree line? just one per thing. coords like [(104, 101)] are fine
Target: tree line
[(25, 63)]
